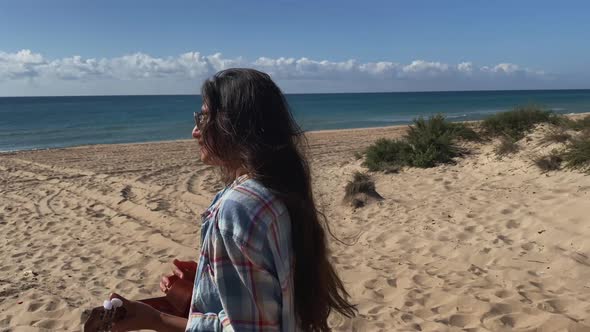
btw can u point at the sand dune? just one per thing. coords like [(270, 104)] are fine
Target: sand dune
[(484, 245)]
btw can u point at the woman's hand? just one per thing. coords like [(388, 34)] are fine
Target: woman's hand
[(139, 316), (180, 270)]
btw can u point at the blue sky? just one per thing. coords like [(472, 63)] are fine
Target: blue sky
[(111, 47)]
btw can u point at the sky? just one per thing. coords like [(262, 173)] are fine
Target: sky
[(83, 47)]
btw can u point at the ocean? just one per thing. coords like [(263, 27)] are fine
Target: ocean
[(52, 122)]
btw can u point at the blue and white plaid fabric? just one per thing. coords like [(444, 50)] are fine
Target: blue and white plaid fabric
[(244, 279)]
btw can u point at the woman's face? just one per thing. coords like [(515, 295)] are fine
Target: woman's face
[(204, 154)]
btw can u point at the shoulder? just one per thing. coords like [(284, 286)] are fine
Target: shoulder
[(247, 210)]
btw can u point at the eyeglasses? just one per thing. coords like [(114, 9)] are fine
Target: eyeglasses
[(200, 119)]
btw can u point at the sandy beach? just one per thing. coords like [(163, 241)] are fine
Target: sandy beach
[(487, 244)]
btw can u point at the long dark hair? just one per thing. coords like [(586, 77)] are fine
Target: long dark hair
[(250, 126)]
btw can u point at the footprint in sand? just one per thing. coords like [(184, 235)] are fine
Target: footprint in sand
[(512, 224), (464, 236), (504, 239), (158, 205), (5, 321), (34, 306), (507, 321), (503, 293), (376, 309), (392, 282), (478, 271), (498, 309), (407, 318), (470, 229), (555, 306), (463, 320), (50, 324)]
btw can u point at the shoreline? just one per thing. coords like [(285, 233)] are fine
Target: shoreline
[(311, 133)]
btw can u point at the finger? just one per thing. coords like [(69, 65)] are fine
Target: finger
[(165, 283), (166, 280), (178, 272)]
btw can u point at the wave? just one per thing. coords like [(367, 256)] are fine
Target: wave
[(458, 116)]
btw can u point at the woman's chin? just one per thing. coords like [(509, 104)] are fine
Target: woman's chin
[(204, 157)]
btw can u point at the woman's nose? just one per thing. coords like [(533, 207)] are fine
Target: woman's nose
[(196, 132)]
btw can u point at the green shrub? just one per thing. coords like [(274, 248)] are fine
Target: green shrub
[(551, 162), (431, 141), (361, 190), (518, 122), (385, 153), (579, 124), (556, 135), (427, 144), (565, 122), (465, 132), (507, 146), (577, 154), (361, 183)]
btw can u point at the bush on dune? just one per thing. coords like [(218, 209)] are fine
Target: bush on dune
[(432, 142), (386, 153), (361, 190), (507, 146), (427, 144), (438, 126), (465, 132), (518, 122), (556, 135), (582, 124), (361, 183), (577, 154)]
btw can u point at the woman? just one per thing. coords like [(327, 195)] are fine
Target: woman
[(264, 259)]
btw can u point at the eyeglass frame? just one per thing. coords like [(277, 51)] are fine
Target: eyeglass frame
[(200, 118)]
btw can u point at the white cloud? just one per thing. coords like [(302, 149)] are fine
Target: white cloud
[(465, 67), (304, 68), (421, 68), (72, 68), (167, 72), (383, 68), (22, 64), (507, 68)]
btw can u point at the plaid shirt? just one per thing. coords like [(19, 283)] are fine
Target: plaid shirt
[(244, 277)]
